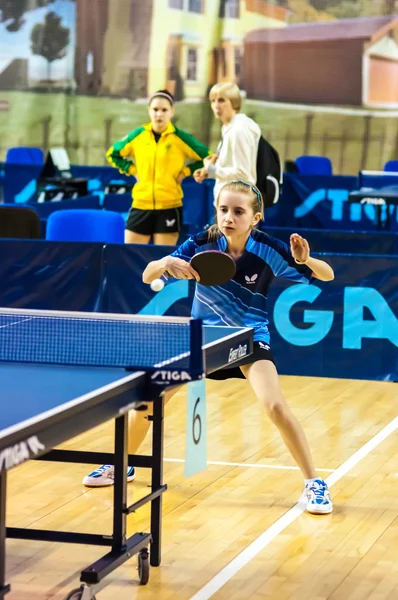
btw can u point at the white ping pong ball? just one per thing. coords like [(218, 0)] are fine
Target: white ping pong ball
[(157, 285)]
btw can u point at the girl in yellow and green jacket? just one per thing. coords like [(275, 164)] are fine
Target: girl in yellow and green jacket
[(159, 155)]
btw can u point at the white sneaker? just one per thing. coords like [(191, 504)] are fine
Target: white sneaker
[(105, 475), (316, 493)]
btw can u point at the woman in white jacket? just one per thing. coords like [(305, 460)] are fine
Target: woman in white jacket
[(236, 154)]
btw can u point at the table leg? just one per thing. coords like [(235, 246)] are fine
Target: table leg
[(120, 484), (157, 480), (4, 589)]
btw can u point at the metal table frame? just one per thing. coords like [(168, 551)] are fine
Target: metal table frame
[(136, 388)]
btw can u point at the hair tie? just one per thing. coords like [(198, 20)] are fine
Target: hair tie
[(253, 189), (163, 95)]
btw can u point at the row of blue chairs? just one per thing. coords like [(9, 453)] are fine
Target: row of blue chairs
[(321, 165), (197, 209), (73, 225), (306, 165), (93, 218)]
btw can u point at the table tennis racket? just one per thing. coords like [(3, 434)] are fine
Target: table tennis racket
[(214, 267)]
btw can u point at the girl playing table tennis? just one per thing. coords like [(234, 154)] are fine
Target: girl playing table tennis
[(242, 303)]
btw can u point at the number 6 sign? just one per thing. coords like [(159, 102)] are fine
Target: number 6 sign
[(196, 442)]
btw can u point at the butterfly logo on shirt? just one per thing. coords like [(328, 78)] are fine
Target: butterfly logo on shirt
[(251, 280), (263, 346), (170, 223)]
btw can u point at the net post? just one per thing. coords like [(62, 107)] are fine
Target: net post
[(196, 359)]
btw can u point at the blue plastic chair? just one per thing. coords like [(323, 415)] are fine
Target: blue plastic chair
[(25, 156), (391, 166), (314, 165), (85, 226)]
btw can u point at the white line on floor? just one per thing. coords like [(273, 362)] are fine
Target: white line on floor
[(254, 465), (240, 561)]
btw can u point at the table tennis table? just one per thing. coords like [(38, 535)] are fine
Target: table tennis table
[(62, 374), (378, 189)]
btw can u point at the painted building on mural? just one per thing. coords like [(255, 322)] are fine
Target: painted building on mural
[(184, 45), (345, 62)]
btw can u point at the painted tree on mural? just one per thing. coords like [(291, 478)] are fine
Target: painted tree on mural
[(14, 10), (50, 40), (356, 8), (321, 10), (303, 11)]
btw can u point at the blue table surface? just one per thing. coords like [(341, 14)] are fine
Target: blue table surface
[(27, 390)]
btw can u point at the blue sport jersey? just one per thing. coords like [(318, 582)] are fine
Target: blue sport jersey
[(242, 302)]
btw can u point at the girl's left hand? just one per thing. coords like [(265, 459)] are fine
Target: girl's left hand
[(199, 175), (210, 160), (299, 247)]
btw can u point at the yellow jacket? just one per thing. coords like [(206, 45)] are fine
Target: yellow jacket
[(157, 166)]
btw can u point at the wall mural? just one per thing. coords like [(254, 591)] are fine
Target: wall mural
[(319, 76)]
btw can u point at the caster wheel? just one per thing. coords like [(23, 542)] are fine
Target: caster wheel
[(76, 594), (143, 567)]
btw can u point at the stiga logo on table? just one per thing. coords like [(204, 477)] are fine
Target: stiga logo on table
[(237, 353), (170, 376), (374, 201), (15, 455)]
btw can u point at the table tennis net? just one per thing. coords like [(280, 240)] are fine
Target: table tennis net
[(89, 341)]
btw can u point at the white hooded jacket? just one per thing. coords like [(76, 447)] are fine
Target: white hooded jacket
[(237, 152)]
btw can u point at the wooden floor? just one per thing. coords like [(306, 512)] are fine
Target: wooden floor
[(211, 518)]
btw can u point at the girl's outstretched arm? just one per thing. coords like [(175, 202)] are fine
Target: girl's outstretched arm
[(301, 253)]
